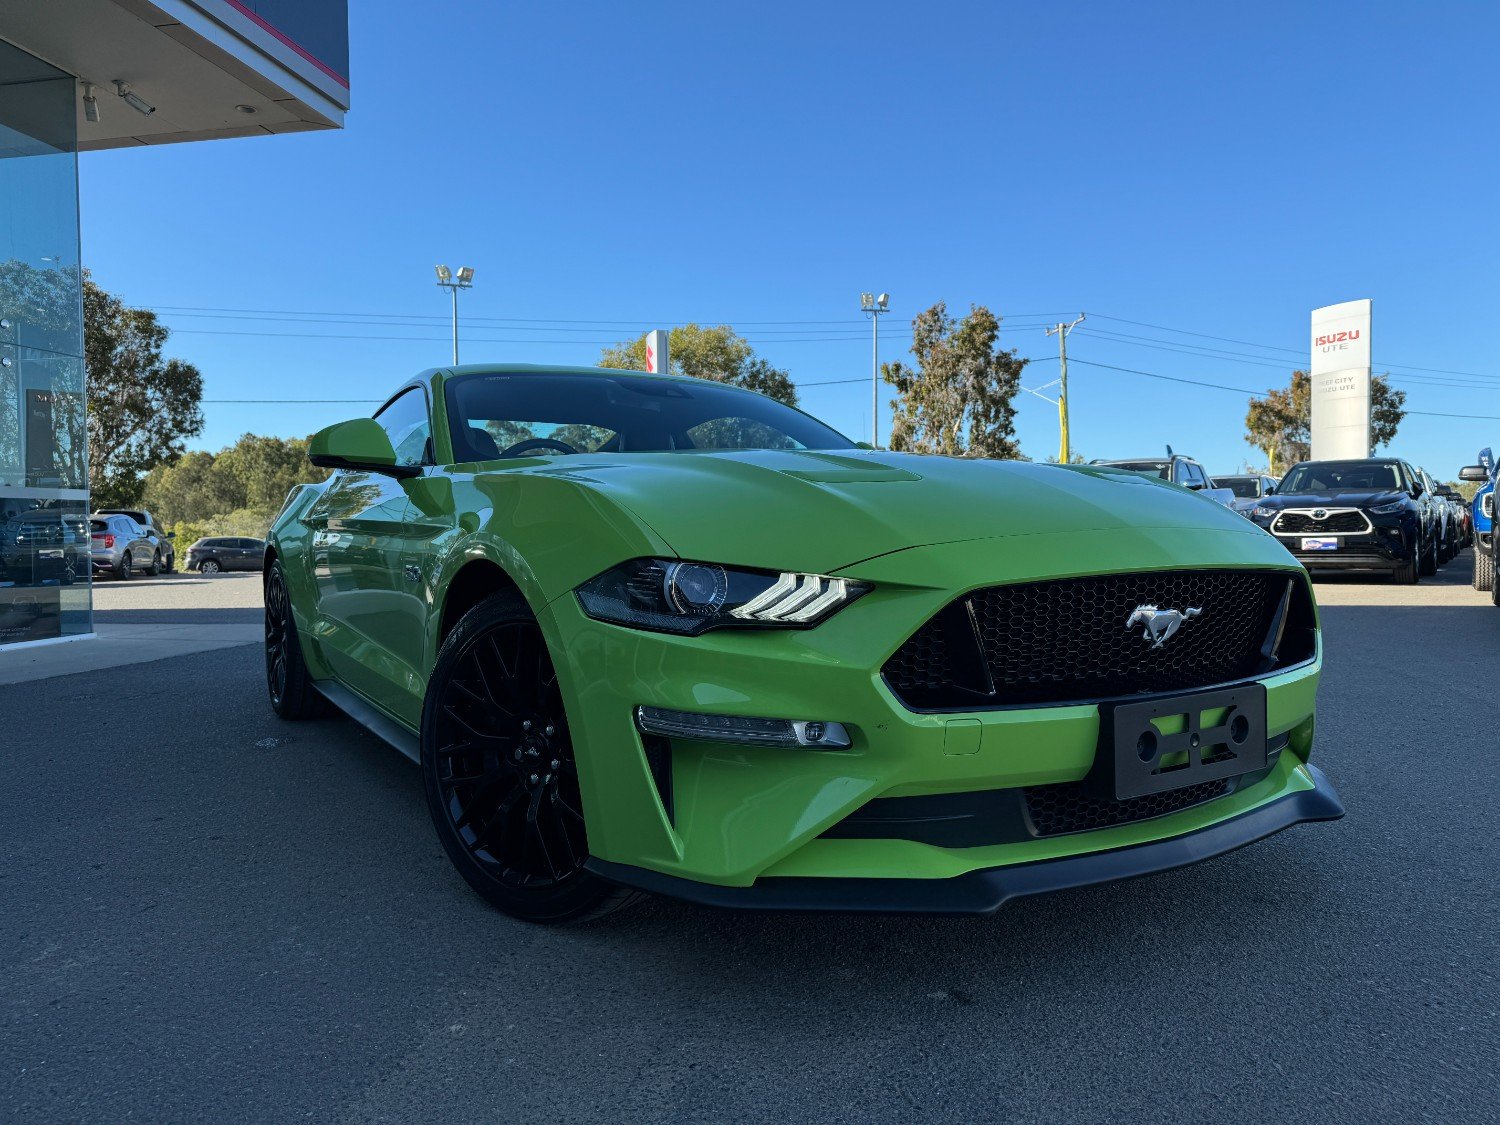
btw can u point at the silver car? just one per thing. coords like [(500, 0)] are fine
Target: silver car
[(120, 546)]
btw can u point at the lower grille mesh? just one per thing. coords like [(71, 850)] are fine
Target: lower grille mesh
[(1056, 810)]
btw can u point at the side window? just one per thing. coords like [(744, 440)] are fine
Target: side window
[(404, 420)]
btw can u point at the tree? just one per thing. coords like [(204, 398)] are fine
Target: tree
[(958, 399), (141, 406), (718, 353), (252, 475), (1280, 424)]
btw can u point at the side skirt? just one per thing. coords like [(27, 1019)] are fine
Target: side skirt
[(373, 720)]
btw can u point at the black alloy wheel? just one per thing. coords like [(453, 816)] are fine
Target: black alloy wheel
[(124, 570), (497, 762), (155, 568), (288, 682)]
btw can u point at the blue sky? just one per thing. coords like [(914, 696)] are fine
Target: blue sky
[(607, 168)]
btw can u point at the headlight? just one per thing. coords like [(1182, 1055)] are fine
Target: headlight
[(1263, 513), (1388, 509), (673, 596)]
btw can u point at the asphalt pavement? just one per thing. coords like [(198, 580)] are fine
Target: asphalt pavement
[(209, 914)]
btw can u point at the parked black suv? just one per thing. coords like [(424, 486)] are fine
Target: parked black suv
[(1369, 514)]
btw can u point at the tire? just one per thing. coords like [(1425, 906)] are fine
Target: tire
[(498, 770), (1406, 573), (288, 683), (209, 566), (155, 568), (1428, 566), (1484, 571), (124, 569), (171, 565)]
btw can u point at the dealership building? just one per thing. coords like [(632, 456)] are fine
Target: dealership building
[(78, 75)]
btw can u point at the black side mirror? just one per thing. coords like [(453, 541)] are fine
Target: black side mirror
[(1270, 490), (1474, 472)]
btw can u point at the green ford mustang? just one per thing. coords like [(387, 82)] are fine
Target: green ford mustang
[(653, 633)]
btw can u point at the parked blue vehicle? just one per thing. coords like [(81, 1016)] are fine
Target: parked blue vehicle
[(1484, 520)]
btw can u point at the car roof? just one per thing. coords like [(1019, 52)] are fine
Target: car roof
[(552, 369)]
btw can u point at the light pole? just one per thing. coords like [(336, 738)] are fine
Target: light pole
[(872, 306), (452, 282)]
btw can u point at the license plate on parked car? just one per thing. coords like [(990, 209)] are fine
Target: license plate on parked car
[(1164, 744), (1320, 544)]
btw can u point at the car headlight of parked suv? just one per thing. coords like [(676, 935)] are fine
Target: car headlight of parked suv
[(1264, 512), (1388, 509)]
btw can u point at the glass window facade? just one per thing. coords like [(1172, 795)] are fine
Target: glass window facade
[(45, 547)]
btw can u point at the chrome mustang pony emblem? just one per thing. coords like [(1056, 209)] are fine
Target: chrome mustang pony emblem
[(1161, 625)]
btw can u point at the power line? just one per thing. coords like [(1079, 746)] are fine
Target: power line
[(1168, 378)]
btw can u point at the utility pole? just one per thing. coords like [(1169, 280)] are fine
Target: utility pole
[(452, 282), (873, 306), (1064, 452)]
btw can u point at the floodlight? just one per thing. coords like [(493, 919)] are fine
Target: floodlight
[(866, 300), (884, 300), (465, 274), (134, 100), (444, 274)]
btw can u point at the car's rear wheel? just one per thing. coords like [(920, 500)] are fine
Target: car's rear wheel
[(288, 683), (123, 569), (498, 767), (1484, 570), (155, 568)]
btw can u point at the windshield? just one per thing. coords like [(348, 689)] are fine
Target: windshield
[(1244, 488), (1161, 469), (1341, 476), (539, 414)]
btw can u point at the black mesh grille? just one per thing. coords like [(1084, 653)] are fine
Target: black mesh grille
[(1069, 640), (1300, 523), (1058, 809)]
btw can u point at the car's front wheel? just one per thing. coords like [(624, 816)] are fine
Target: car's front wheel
[(208, 566), (1484, 570), (498, 767), (288, 682)]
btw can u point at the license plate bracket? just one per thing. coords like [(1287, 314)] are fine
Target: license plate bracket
[(1320, 543), (1136, 757)]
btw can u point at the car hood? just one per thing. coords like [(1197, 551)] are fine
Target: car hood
[(804, 510), (1362, 499)]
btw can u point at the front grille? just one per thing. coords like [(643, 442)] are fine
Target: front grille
[(1069, 640), (1056, 810), (1335, 523)]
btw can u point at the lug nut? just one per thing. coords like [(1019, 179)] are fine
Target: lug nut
[(550, 731), (526, 724), (534, 779), (555, 763)]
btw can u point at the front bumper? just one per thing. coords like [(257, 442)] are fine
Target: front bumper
[(737, 816), (1386, 546), (985, 890)]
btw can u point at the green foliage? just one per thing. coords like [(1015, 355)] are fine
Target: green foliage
[(958, 400), (142, 407), (1280, 424), (1468, 489), (254, 522), (253, 475), (718, 353)]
